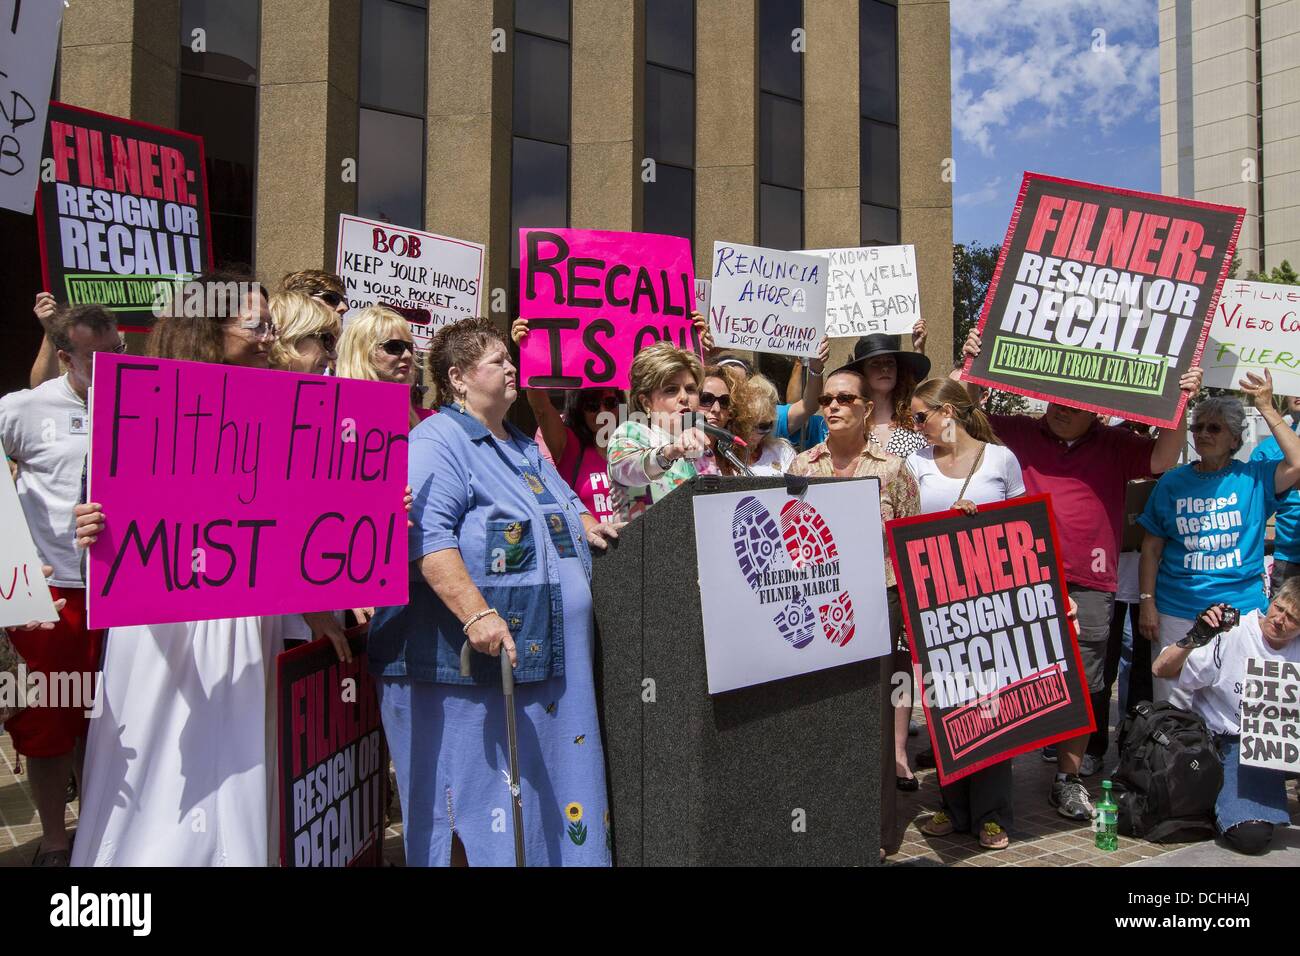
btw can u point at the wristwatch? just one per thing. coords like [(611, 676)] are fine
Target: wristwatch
[(1146, 597), (661, 459)]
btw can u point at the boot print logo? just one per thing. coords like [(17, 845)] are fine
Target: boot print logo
[(794, 566)]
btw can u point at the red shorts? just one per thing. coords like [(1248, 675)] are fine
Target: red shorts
[(67, 649)]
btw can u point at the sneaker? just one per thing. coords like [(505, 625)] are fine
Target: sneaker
[(1070, 797), (1049, 754), (938, 825), (993, 837), (1089, 766)]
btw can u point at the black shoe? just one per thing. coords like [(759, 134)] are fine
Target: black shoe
[(925, 758), (70, 794), (1049, 754), (907, 784)]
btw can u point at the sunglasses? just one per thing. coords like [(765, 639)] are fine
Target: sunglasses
[(763, 427), (844, 398), (267, 330), (920, 417), (332, 299), (1210, 428), (396, 347), (327, 340), (609, 403), (707, 400)]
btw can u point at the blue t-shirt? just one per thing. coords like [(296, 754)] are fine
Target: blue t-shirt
[(814, 430), (1213, 526), (1286, 526)]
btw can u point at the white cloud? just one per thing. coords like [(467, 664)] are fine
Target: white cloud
[(990, 191), (1029, 65)]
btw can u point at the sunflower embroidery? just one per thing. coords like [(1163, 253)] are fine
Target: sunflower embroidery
[(577, 829)]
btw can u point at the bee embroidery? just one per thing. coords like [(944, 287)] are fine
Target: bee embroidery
[(550, 708), (580, 739)]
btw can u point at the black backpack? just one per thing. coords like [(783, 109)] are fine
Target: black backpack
[(1169, 774)]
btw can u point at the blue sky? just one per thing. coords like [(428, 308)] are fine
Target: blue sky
[(1065, 87)]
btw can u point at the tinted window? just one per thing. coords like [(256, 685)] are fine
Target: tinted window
[(878, 63), (547, 17), (392, 56), (879, 226), (780, 131), (780, 68), (539, 184), (780, 218), (670, 202), (670, 116), (670, 33), (225, 115), (390, 168), (228, 30), (541, 88), (879, 164)]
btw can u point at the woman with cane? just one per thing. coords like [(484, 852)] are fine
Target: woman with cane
[(500, 559)]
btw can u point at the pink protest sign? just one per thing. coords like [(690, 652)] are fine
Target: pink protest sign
[(233, 492), (594, 299)]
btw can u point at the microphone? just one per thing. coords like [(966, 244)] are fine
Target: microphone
[(696, 420)]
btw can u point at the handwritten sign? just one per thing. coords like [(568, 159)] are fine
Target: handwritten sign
[(29, 46), (231, 492), (1255, 326), (767, 300), (430, 280), (330, 731), (1270, 714), (1102, 297), (872, 289), (127, 206), (703, 292), (594, 299), (24, 595), (985, 605)]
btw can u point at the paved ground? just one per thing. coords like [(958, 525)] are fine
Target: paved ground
[(1040, 837)]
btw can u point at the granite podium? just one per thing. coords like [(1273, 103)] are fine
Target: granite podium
[(785, 773)]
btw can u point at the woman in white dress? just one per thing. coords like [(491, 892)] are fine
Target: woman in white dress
[(180, 763)]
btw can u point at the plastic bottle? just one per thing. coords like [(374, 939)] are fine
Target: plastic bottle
[(1105, 821)]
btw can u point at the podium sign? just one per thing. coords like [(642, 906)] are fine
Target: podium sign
[(790, 585)]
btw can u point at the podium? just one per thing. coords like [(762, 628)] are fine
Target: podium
[(780, 774)]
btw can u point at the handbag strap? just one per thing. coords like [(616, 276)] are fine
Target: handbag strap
[(973, 468)]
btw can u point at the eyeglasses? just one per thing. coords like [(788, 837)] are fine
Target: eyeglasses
[(844, 398), (707, 400), (327, 340), (265, 330), (1210, 428), (396, 347), (332, 299), (763, 427), (920, 417), (609, 403), (119, 348)]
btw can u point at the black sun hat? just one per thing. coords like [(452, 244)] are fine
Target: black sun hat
[(877, 344)]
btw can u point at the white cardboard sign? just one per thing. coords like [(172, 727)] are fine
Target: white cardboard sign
[(767, 300), (431, 280), (24, 595), (1270, 702), (871, 289), (790, 585), (1256, 325), (29, 45)]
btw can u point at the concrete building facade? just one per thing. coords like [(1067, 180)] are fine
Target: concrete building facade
[(793, 123), (1230, 116)]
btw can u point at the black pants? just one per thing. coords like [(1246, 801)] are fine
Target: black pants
[(983, 797), (1140, 686), (891, 835)]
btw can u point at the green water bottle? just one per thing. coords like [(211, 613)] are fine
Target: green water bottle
[(1105, 820)]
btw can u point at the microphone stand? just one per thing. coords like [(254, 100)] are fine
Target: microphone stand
[(723, 447)]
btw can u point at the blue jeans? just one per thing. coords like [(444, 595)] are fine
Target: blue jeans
[(1249, 793)]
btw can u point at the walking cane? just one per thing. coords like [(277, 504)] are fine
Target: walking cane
[(512, 742)]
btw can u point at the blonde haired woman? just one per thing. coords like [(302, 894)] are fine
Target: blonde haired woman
[(376, 346), (652, 454), (308, 334), (766, 455), (962, 467)]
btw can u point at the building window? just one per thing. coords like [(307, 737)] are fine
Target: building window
[(390, 149), (780, 125), (669, 201), (539, 159), (218, 101), (878, 99)]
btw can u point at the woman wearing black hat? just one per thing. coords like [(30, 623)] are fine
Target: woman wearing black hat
[(891, 375)]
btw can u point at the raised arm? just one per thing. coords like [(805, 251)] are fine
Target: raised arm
[(806, 408), (46, 365), (1169, 446), (1260, 390), (971, 348), (549, 419)]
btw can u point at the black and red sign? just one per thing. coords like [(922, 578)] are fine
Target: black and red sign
[(1102, 297), (122, 205), (333, 760), (986, 610)]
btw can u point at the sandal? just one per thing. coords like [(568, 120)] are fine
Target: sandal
[(938, 825), (993, 837), (56, 858)]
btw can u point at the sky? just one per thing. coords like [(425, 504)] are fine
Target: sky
[(1065, 87)]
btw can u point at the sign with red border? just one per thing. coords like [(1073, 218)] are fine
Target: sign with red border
[(1102, 297), (986, 609)]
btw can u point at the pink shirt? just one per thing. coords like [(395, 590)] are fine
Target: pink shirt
[(585, 470), (1087, 483)]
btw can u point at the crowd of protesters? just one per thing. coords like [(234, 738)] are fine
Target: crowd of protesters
[(503, 525)]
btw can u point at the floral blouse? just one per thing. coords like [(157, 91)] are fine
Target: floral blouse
[(899, 496), (629, 453)]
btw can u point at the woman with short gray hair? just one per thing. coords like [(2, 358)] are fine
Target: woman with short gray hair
[(1205, 523)]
